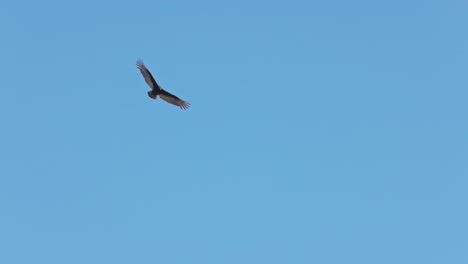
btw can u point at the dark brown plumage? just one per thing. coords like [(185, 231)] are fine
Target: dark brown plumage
[(158, 90)]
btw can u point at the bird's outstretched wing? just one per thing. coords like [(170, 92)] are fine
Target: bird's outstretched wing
[(172, 99), (147, 75)]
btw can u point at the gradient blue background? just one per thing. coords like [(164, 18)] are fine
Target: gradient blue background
[(319, 132)]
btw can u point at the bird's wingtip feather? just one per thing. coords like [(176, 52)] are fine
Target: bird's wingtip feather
[(139, 63), (184, 105)]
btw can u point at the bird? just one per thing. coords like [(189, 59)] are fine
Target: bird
[(158, 90)]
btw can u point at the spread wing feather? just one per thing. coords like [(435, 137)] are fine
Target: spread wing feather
[(172, 99), (147, 75)]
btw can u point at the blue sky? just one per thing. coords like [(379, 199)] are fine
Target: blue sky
[(319, 132)]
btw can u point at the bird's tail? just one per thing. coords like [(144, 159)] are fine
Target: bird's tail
[(152, 95)]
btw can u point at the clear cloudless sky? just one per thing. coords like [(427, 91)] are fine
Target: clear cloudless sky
[(319, 132)]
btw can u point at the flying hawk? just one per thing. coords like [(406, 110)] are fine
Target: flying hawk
[(158, 90)]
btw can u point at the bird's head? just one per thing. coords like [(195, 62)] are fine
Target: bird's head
[(152, 95)]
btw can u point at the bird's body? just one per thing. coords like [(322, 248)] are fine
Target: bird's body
[(157, 90)]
